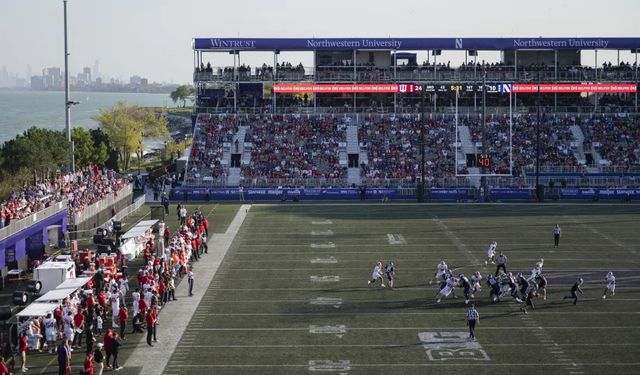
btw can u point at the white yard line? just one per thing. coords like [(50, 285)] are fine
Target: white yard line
[(174, 317), (431, 364), (501, 328)]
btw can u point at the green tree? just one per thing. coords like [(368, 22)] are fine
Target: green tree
[(39, 151), (126, 126), (83, 147), (182, 93), (105, 154)]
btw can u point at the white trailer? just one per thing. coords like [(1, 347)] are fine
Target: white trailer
[(52, 274)]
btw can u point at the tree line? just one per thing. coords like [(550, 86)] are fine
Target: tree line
[(41, 153)]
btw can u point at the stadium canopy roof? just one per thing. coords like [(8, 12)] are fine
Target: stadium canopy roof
[(485, 44)]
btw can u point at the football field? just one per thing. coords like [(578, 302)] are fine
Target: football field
[(291, 296)]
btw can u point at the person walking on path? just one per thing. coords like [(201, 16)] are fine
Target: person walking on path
[(473, 319), (190, 276)]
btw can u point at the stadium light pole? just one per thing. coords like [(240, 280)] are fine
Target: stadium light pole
[(483, 177), (538, 187), (422, 130), (67, 102)]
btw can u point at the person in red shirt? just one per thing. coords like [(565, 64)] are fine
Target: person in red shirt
[(22, 348), (88, 365), (161, 292), (91, 302), (123, 315), (205, 223), (78, 325), (102, 300), (57, 315), (142, 306), (107, 345), (4, 370), (140, 278), (167, 236), (151, 323)]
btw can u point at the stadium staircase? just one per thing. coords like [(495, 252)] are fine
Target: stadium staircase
[(465, 140), (353, 147), (234, 176), (578, 135)]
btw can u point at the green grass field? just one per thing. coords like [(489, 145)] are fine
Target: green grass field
[(273, 312)]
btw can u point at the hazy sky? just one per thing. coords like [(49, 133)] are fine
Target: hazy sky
[(152, 38)]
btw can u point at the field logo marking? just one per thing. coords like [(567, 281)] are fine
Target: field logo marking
[(322, 233), (396, 239), (339, 331), (326, 365), (324, 279), (335, 302), (328, 245), (329, 260), (443, 346), (322, 222)]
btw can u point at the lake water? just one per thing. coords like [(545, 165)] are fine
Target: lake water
[(22, 109)]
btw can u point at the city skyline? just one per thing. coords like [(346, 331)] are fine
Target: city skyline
[(157, 45), (85, 74)]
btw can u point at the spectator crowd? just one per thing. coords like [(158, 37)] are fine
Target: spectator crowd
[(81, 189), (303, 147)]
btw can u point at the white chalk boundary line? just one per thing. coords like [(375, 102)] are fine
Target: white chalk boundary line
[(422, 313), (435, 204), (473, 364), (269, 243), (407, 345)]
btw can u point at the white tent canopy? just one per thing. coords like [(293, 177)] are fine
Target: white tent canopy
[(37, 309), (56, 295), (140, 229), (75, 283)]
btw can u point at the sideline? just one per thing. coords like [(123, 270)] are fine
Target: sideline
[(175, 317)]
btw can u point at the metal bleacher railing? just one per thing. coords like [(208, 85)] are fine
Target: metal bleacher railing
[(18, 225), (94, 209)]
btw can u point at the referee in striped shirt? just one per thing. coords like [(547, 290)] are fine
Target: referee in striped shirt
[(473, 318)]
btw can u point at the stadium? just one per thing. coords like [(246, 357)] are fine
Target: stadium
[(513, 183), (369, 114)]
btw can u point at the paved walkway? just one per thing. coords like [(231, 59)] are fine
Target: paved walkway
[(175, 317)]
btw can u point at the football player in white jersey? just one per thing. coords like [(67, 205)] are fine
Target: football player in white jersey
[(491, 253), (536, 270), (449, 286), (475, 283), (136, 302), (441, 269), (50, 331), (611, 285), (377, 274)]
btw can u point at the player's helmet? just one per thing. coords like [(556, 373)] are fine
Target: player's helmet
[(609, 274), (477, 274), (580, 280)]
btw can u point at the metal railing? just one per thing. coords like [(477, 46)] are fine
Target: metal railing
[(94, 209), (19, 225), (88, 233), (414, 109), (503, 73)]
